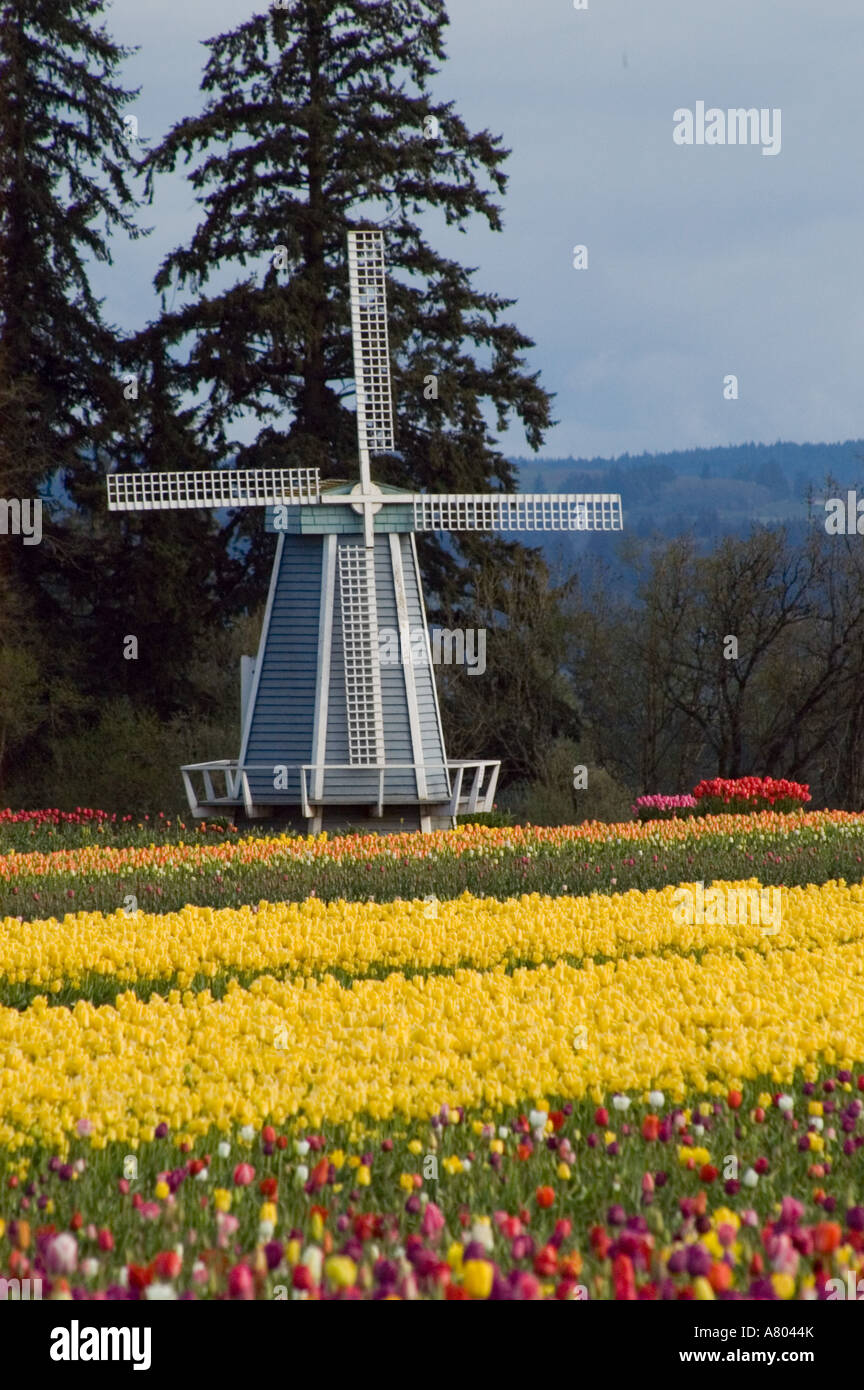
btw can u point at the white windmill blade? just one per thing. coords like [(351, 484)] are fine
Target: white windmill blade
[(517, 511), (366, 277), (359, 613), (216, 487)]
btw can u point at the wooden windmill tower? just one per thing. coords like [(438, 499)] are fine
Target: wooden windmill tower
[(331, 734)]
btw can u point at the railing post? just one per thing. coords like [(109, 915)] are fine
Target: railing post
[(190, 793), (247, 794), (457, 791), (475, 789)]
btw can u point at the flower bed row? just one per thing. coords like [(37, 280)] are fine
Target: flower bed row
[(731, 796), (812, 847), (201, 944), (636, 1198), (403, 1046), (51, 829)]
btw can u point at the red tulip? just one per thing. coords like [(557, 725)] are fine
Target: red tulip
[(650, 1127), (168, 1264), (241, 1284)]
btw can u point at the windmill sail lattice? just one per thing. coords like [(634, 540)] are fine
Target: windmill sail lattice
[(360, 652), (371, 349), (258, 487), (331, 733)]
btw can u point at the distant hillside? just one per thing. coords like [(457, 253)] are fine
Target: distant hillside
[(711, 492)]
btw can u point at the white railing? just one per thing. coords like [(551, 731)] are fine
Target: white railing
[(481, 797), (477, 800)]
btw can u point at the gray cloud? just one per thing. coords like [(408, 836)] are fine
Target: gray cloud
[(702, 260)]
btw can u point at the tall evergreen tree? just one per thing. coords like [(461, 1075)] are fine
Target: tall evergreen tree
[(167, 580), (64, 189), (319, 117)]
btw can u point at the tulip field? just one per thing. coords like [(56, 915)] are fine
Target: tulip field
[(497, 1063)]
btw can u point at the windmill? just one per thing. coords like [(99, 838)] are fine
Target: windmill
[(330, 733)]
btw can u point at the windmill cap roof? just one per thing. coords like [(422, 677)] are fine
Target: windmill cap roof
[(338, 486)]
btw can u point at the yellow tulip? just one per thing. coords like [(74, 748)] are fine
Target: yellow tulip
[(477, 1278), (341, 1271)]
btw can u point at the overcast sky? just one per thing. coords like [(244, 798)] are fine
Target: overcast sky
[(703, 261)]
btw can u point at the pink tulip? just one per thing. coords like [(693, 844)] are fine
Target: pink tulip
[(62, 1254), (433, 1221)]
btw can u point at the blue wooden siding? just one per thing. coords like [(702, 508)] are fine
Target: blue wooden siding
[(282, 720), (282, 724)]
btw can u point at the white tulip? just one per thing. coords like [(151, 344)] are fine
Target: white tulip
[(481, 1231), (160, 1292), (223, 1148), (750, 1178), (656, 1098)]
